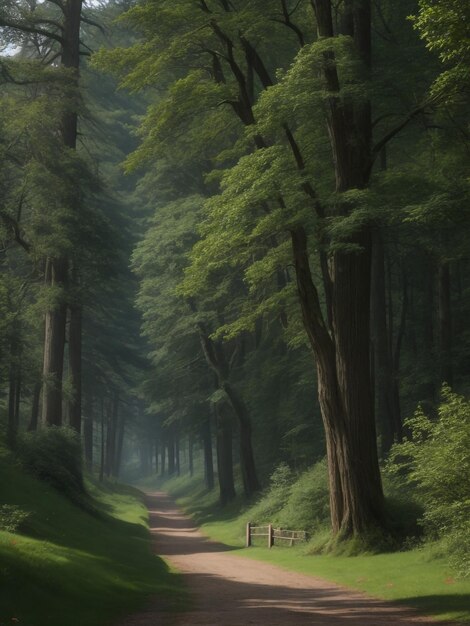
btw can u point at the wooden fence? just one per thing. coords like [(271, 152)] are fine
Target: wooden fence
[(273, 535)]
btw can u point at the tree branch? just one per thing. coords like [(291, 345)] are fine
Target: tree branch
[(394, 131), (25, 28)]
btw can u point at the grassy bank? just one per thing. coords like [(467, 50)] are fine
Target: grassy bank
[(418, 577), (69, 567)]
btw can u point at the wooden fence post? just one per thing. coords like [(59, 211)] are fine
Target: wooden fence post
[(270, 536), (248, 535)]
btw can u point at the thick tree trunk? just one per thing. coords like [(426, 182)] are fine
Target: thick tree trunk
[(355, 488), (224, 456), (54, 344), (157, 445)]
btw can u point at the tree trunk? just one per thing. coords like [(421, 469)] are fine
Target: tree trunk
[(121, 429), (75, 365), (88, 435), (206, 436), (54, 344), (177, 454), (386, 393), (156, 455), (163, 450), (33, 424), (224, 456), (215, 358), (445, 323), (102, 442), (171, 452), (190, 455), (111, 436)]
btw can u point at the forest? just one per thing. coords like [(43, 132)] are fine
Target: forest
[(234, 270)]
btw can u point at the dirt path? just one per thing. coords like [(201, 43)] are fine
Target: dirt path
[(229, 590)]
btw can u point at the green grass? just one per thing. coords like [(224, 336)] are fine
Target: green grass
[(418, 578), (69, 567)]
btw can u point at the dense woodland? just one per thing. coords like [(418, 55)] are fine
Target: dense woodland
[(238, 230)]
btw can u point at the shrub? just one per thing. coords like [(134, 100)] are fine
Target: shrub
[(54, 455), (307, 506), (12, 517), (295, 502), (435, 459)]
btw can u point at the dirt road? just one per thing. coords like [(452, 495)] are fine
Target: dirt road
[(229, 590)]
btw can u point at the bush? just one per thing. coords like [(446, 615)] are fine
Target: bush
[(295, 502), (54, 455), (12, 517), (435, 459), (308, 504)]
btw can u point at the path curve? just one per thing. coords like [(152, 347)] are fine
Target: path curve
[(230, 590)]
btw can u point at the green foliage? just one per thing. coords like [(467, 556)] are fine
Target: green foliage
[(12, 517), (54, 455), (444, 26), (67, 565), (295, 502), (435, 460)]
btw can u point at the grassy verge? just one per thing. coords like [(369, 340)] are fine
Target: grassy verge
[(69, 567), (419, 578)]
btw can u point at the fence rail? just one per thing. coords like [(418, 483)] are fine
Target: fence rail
[(273, 534)]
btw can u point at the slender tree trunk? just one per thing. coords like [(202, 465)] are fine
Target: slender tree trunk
[(388, 412), (177, 454), (163, 450), (88, 435), (206, 436), (120, 443), (156, 455), (190, 455), (102, 442), (75, 363), (215, 358), (54, 344), (429, 392), (33, 424), (13, 395), (224, 456), (171, 452), (445, 323)]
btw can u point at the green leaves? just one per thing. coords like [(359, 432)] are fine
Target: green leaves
[(444, 26)]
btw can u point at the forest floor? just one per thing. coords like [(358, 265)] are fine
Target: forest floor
[(229, 589)]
